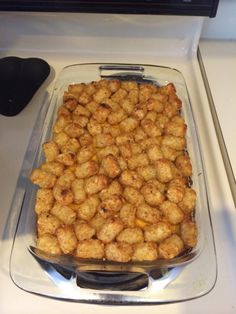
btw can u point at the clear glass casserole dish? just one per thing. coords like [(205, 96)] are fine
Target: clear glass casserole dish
[(25, 234)]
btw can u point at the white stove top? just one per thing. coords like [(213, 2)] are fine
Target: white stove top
[(60, 47)]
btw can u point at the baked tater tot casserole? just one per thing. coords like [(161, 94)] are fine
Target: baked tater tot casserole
[(115, 182)]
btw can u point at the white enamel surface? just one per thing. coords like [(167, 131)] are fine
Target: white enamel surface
[(15, 134)]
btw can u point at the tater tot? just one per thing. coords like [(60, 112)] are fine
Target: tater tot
[(155, 105), (91, 248), (127, 105), (109, 150), (139, 111), (85, 154), (71, 104), (94, 127), (119, 95), (188, 232), (183, 163), (62, 194), (126, 150), (128, 125), (139, 134), (154, 152), (110, 230), (118, 252), (88, 208), (49, 244), (110, 206), (175, 128), (157, 232), (114, 85), (170, 153), (147, 172), (43, 178), (127, 214), (175, 194), (66, 179), (103, 140), (152, 195), (114, 188), (146, 90), (61, 139), (188, 202), (101, 94), (172, 212), (148, 213), (77, 187), (72, 145), (67, 159), (44, 201), (84, 98), (61, 122), (82, 121), (67, 239), (129, 85), (130, 178), (101, 113), (146, 251), (138, 160), (133, 196), (97, 221), (164, 170), (178, 143), (81, 111), (130, 235), (111, 166), (86, 169), (92, 106), (51, 150), (116, 116), (73, 130), (95, 184), (151, 128), (47, 224), (64, 213), (83, 231), (171, 247)]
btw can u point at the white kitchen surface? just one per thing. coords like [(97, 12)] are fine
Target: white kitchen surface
[(15, 134), (219, 59)]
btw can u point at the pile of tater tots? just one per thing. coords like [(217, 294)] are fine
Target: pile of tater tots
[(114, 184)]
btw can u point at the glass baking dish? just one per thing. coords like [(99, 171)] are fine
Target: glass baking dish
[(25, 233)]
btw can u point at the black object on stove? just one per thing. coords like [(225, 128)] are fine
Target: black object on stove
[(19, 80)]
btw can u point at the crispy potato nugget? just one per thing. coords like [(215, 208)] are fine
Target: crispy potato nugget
[(86, 169), (148, 213), (188, 232), (118, 252), (88, 208), (157, 232), (67, 239), (51, 150), (171, 247), (111, 166), (172, 212), (146, 251), (83, 231), (47, 224), (49, 244), (115, 180), (95, 184), (131, 178), (110, 230), (152, 195), (131, 235), (64, 213), (91, 248), (44, 201), (43, 178)]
